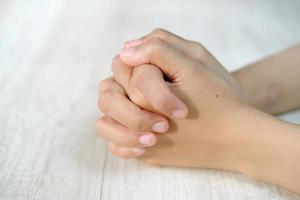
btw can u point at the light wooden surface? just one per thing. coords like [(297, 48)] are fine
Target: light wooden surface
[(54, 52)]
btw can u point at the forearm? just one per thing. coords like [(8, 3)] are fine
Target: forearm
[(272, 149), (273, 84)]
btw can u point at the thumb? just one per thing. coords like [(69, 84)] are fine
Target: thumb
[(149, 81), (170, 61)]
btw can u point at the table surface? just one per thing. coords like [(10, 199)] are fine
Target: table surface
[(53, 54)]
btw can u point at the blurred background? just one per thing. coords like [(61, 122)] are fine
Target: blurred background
[(53, 53), (67, 32)]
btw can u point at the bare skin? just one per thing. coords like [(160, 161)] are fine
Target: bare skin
[(273, 83), (204, 108)]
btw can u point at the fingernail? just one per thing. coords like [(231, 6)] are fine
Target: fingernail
[(179, 113), (148, 140), (127, 52), (138, 151), (132, 43), (159, 127)]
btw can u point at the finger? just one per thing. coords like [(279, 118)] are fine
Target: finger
[(170, 61), (121, 71), (115, 104), (121, 135), (115, 87), (159, 53), (190, 48), (105, 84), (149, 80), (123, 75), (125, 152)]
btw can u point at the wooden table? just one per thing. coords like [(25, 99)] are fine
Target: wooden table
[(54, 52)]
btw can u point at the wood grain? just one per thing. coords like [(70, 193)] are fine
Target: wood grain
[(53, 54)]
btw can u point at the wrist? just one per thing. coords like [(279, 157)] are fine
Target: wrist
[(249, 135), (279, 159), (269, 149), (256, 91), (248, 91), (256, 139)]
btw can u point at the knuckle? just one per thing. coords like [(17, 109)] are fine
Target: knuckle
[(137, 124), (129, 139), (200, 51), (104, 85), (115, 63), (104, 100), (160, 33), (155, 44), (140, 122)]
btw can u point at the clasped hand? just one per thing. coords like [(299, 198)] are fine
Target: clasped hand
[(170, 102)]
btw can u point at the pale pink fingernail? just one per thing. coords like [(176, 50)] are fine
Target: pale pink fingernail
[(127, 52), (147, 139), (138, 151), (159, 127)]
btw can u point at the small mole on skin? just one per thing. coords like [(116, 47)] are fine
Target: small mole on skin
[(217, 95)]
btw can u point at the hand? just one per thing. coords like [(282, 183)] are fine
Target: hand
[(114, 101), (191, 49), (126, 141), (210, 90), (228, 141)]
